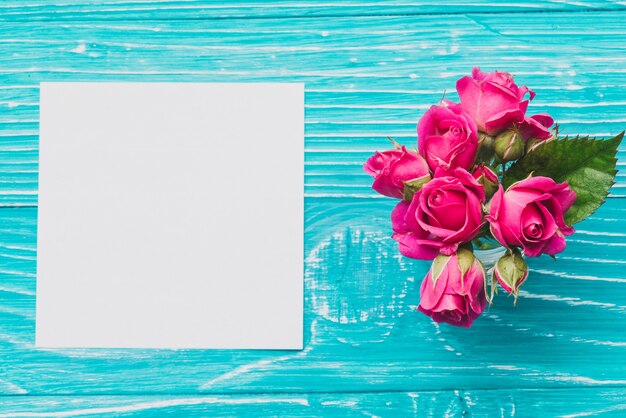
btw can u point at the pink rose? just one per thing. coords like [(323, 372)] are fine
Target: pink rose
[(453, 291), (530, 215), (493, 100), (445, 212), (391, 168), (447, 137)]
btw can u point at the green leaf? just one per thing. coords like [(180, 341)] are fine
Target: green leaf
[(587, 164)]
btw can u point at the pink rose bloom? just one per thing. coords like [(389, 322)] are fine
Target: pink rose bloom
[(445, 212), (454, 296), (391, 168), (530, 215), (493, 100), (447, 137)]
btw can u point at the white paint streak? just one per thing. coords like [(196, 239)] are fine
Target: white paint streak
[(144, 406), (80, 48), (571, 300), (586, 380), (597, 411), (504, 367), (598, 342), (579, 277), (17, 291), (245, 368), (11, 388)]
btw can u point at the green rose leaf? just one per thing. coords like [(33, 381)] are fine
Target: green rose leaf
[(587, 164)]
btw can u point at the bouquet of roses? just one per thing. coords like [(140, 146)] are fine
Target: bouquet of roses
[(485, 174)]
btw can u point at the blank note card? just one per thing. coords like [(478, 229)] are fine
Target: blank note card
[(170, 215)]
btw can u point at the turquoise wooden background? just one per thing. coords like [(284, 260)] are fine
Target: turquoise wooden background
[(370, 70)]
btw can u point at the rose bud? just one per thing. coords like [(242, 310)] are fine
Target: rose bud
[(485, 176), (530, 215), (447, 137), (511, 271), (493, 100), (453, 291), (391, 169), (445, 212), (486, 146), (509, 145)]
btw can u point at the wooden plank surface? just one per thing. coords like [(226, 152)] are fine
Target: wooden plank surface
[(560, 351), (362, 330), (501, 403), (365, 77), (82, 10)]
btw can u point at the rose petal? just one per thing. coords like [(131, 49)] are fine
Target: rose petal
[(477, 74), (533, 249), (503, 120), (531, 222), (412, 247), (565, 196), (555, 245), (549, 224), (451, 303), (544, 119), (383, 186), (431, 293), (398, 215)]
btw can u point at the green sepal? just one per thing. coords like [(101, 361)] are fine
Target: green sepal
[(412, 186), (439, 264), (494, 288), (465, 259), (485, 242), (395, 143)]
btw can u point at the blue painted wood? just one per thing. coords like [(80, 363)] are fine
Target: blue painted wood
[(362, 330), (365, 77), (501, 403), (560, 351), (213, 9)]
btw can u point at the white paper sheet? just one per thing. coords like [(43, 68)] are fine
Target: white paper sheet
[(171, 215)]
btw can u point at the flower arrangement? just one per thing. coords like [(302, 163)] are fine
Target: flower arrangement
[(484, 174)]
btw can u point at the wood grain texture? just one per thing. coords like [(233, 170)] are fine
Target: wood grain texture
[(82, 10), (502, 403), (366, 78), (367, 351), (362, 330)]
